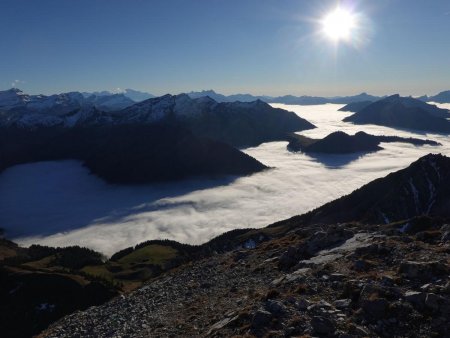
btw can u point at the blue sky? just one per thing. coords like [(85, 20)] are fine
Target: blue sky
[(268, 47)]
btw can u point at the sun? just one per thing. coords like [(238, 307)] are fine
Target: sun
[(339, 24)]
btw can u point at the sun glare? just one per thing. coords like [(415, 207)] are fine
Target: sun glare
[(339, 24)]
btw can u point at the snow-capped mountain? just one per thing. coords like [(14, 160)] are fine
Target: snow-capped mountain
[(134, 95), (167, 106), (109, 102), (85, 116), (59, 104), (12, 98), (236, 123)]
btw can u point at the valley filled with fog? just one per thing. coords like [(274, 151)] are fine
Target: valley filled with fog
[(60, 203)]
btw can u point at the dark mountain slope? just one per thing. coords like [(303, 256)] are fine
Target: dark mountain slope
[(423, 188), (237, 123), (160, 153), (355, 106), (127, 154), (399, 112), (442, 97), (342, 143)]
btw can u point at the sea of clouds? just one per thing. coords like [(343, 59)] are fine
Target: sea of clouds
[(60, 203)]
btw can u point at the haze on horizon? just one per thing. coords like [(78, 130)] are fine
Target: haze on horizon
[(262, 47)]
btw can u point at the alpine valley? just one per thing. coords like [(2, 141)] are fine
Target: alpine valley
[(196, 215)]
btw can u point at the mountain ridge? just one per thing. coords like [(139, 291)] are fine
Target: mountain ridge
[(403, 112), (236, 123), (341, 143)]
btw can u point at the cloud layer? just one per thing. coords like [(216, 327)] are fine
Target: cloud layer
[(59, 203)]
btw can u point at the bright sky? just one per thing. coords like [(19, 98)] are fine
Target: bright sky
[(267, 47)]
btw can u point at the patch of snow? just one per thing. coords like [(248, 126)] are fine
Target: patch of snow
[(415, 193), (432, 191), (45, 307), (328, 255), (404, 227), (385, 218), (250, 244)]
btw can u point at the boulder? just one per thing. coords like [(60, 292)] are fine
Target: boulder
[(342, 303), (275, 307), (375, 308), (423, 271), (321, 239), (288, 259), (432, 301), (261, 319), (323, 325), (417, 299)]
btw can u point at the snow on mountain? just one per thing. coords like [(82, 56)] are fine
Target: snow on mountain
[(137, 96), (57, 103), (168, 106), (134, 95), (13, 97), (109, 102), (14, 101), (88, 116), (235, 123), (100, 93), (85, 116)]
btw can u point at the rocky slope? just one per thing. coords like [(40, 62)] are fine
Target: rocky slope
[(403, 112), (342, 143), (336, 281), (304, 276)]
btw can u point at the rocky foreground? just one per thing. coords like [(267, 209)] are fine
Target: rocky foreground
[(345, 280)]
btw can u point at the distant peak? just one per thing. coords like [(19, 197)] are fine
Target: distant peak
[(182, 96), (15, 90), (394, 96)]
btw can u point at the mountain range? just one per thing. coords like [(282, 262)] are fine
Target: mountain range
[(135, 95), (159, 139), (442, 97), (122, 98), (14, 100), (236, 123), (286, 99), (240, 124)]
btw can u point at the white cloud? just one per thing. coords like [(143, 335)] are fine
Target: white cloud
[(15, 83), (118, 90)]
